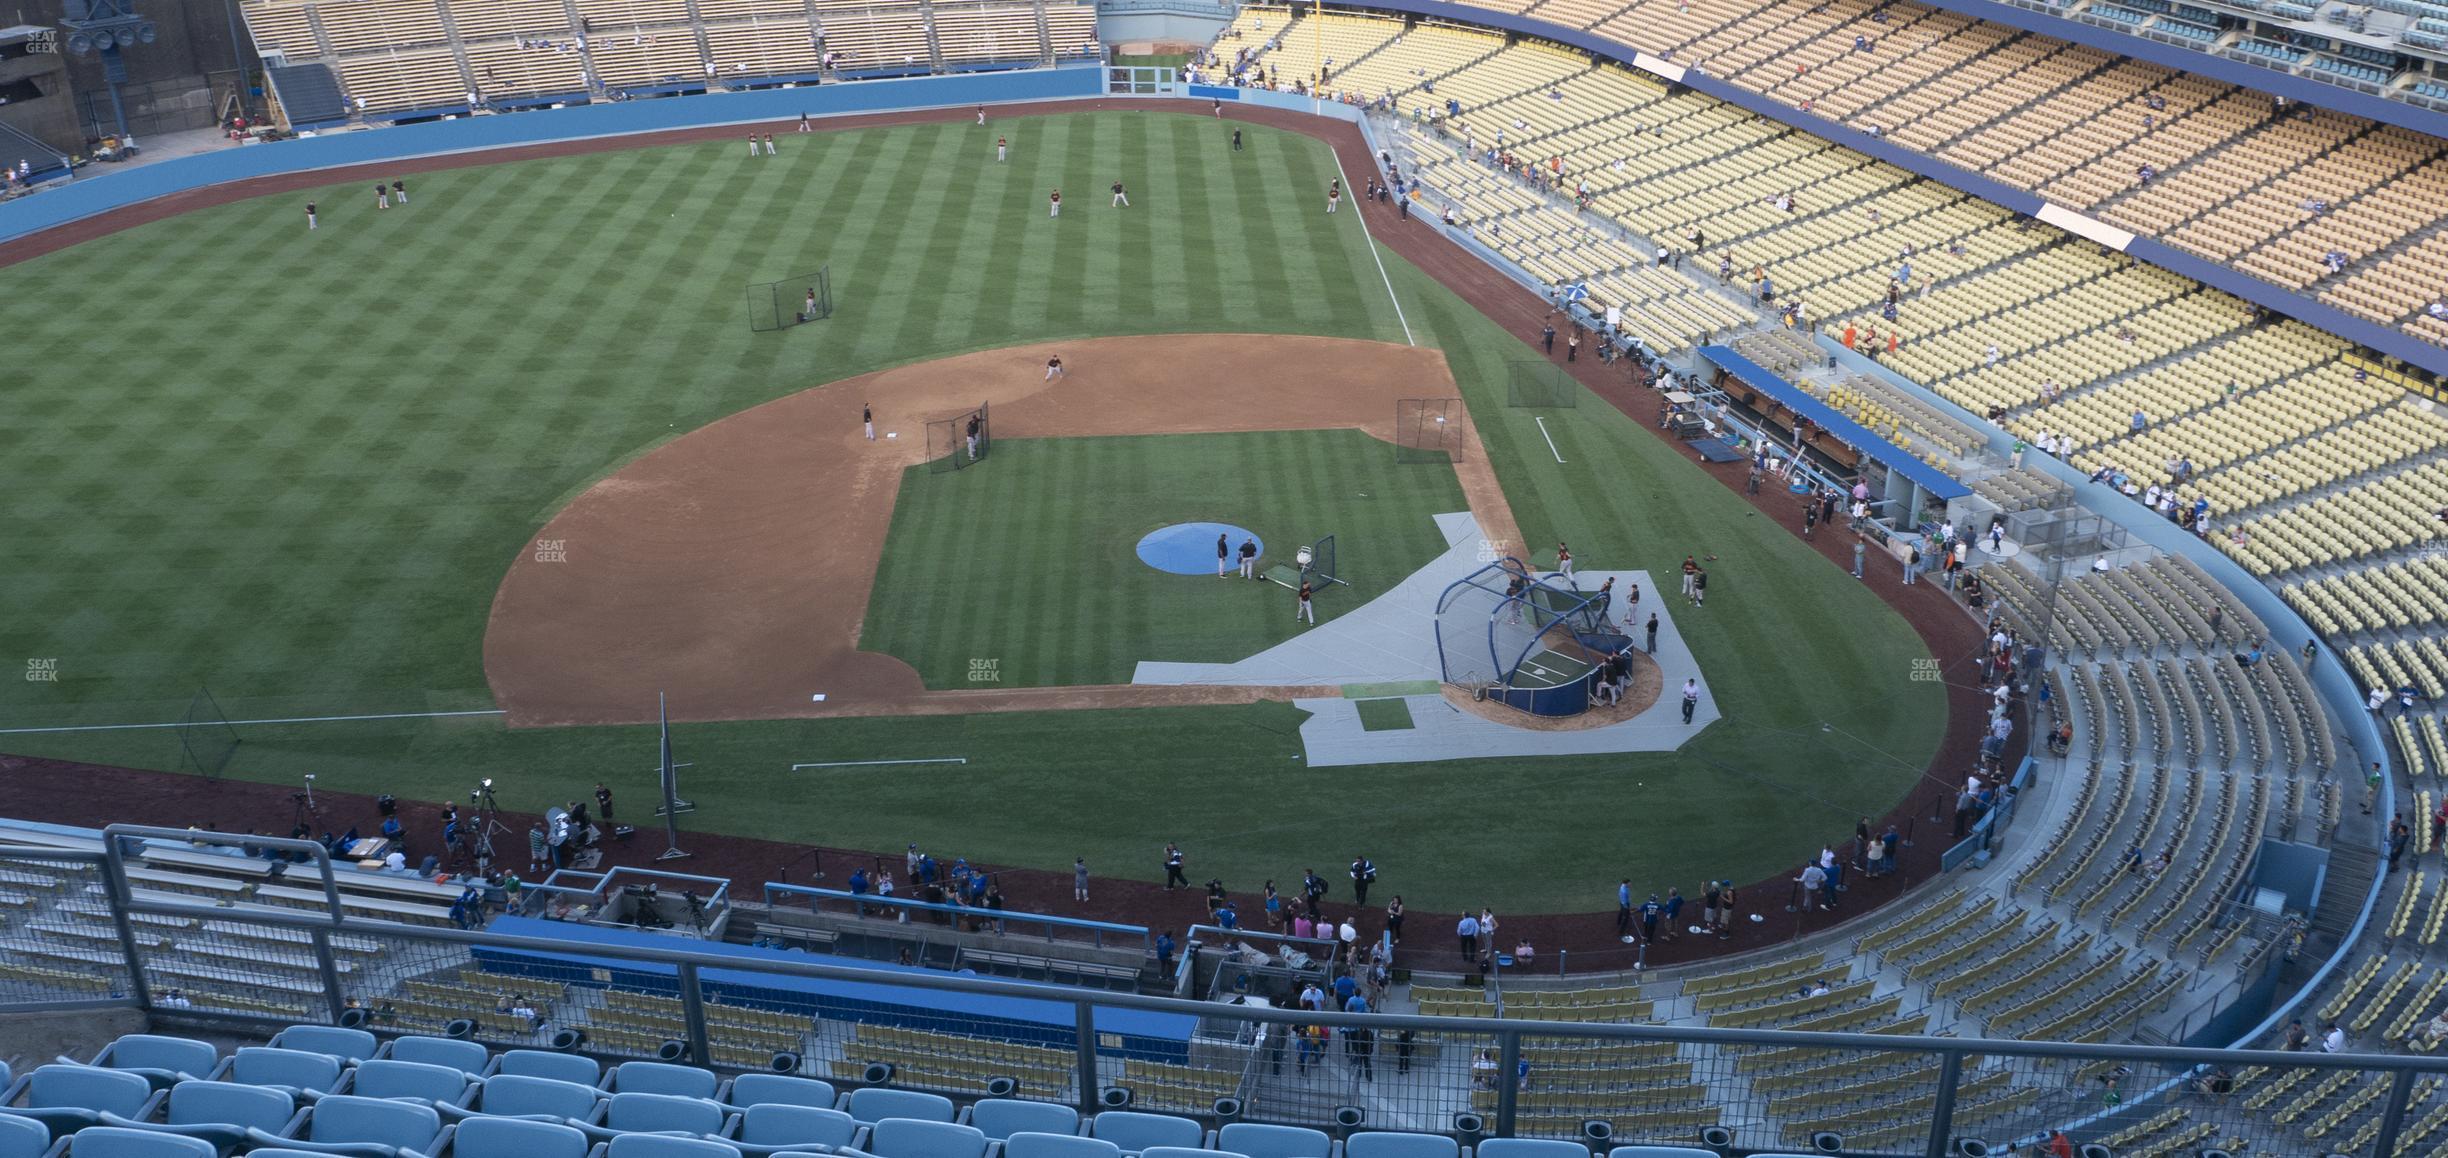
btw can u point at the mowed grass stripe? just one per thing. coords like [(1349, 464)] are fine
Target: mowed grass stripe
[(1041, 541)]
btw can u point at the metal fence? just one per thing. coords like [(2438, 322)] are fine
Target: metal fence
[(110, 935)]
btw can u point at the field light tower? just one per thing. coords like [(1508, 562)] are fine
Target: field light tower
[(106, 26)]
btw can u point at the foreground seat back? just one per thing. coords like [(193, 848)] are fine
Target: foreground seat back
[(783, 1124), (911, 1138), (345, 1044), (513, 1138), (470, 1058), (537, 1063), (1260, 1140), (414, 1081), (1134, 1131), (512, 1094), (760, 1089), (874, 1104), (116, 1142), (1000, 1118)]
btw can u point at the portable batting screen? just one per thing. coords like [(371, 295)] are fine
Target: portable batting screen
[(779, 305), (1314, 564), (1428, 430), (1541, 385), (959, 442)]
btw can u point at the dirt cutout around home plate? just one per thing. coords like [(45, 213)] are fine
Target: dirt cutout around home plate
[(731, 567)]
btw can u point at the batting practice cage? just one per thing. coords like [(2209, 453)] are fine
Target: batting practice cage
[(958, 442), (1428, 429), (779, 305), (1523, 641), (1313, 564), (1541, 385)]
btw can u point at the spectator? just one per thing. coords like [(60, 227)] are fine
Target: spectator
[(1467, 931)]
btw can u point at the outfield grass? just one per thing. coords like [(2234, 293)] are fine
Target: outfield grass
[(294, 467), (1030, 562)]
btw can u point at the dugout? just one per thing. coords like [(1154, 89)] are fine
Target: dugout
[(1531, 643)]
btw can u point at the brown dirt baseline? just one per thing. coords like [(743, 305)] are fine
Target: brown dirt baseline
[(732, 566)]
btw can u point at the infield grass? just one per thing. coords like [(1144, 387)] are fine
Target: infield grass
[(1031, 564), (298, 473)]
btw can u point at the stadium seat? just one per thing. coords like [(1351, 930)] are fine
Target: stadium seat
[(220, 1113), (468, 1057), (659, 1114), (1186, 1152), (537, 1063), (1000, 1118), (1259, 1140), (1031, 1145), (1528, 1148), (162, 1060), (114, 1142), (911, 1138), (782, 1089), (517, 1096), (1134, 1131), (774, 1127), (68, 1098), (407, 1081), (666, 1146), (362, 1128), (24, 1138), (645, 1077), (513, 1138), (1396, 1144), (875, 1103), (301, 1074), (1660, 1152), (346, 1044)]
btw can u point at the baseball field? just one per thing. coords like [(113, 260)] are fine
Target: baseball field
[(314, 473)]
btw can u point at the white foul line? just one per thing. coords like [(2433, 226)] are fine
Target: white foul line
[(1542, 421), (872, 763), (1408, 340), (235, 723)]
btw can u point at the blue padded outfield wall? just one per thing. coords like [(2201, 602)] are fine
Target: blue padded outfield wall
[(2386, 339), (121, 187)]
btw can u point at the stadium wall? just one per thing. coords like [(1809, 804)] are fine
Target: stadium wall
[(2386, 339), (122, 187)]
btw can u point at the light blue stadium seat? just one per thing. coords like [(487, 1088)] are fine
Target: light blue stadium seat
[(1134, 1131), (468, 1057), (1034, 1145), (516, 1096), (24, 1138), (565, 1067), (911, 1138), (412, 1081), (363, 1128), (662, 1113), (645, 1077), (666, 1146), (1660, 1152), (1000, 1118), (70, 1097), (516, 1138), (1186, 1152), (760, 1089), (114, 1142), (286, 1069), (161, 1059), (1259, 1140), (345, 1044), (875, 1103), (773, 1127), (1528, 1148), (220, 1113), (1397, 1144)]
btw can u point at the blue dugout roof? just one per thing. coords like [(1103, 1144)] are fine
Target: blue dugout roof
[(1938, 484)]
